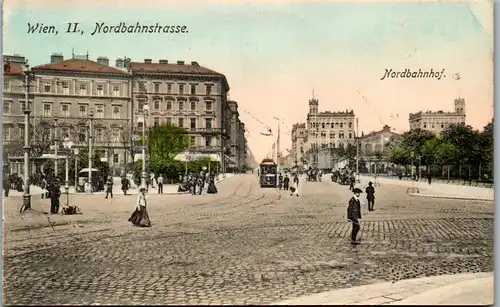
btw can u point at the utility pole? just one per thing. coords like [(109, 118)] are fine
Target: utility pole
[(90, 152), (27, 147), (56, 145)]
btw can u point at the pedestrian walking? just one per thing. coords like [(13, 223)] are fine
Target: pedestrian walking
[(352, 181), (295, 189), (212, 189), (109, 187), (6, 186), (194, 183), (280, 181), (286, 182), (140, 217), (354, 214), (125, 185), (159, 181), (429, 178), (43, 185), (55, 193), (370, 196), (152, 178), (201, 184)]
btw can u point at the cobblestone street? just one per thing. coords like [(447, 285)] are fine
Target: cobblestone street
[(245, 245)]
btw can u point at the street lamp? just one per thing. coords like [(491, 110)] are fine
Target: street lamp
[(55, 148), (186, 156), (144, 116), (91, 117), (27, 148), (76, 151), (67, 143)]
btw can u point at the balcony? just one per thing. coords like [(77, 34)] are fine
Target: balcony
[(205, 130), (211, 149)]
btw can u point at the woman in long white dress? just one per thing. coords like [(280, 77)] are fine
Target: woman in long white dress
[(140, 216)]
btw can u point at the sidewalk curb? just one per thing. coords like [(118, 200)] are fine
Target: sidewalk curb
[(450, 197)]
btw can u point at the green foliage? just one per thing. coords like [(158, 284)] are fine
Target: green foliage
[(438, 151), (166, 141)]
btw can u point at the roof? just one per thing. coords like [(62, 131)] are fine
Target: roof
[(172, 68), (12, 69), (80, 65)]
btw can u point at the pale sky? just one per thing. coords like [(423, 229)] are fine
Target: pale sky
[(274, 53)]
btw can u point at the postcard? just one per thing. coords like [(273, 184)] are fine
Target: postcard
[(247, 152)]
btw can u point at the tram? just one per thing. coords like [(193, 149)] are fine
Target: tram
[(268, 174)]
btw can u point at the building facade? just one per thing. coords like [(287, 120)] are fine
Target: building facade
[(374, 149), (187, 95), (299, 138), (325, 132), (238, 142), (14, 99), (438, 121), (70, 94)]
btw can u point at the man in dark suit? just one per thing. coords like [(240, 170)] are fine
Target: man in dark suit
[(354, 214), (370, 196)]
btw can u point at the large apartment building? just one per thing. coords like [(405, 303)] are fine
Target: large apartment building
[(438, 121), (188, 95)]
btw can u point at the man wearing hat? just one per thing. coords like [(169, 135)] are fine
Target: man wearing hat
[(354, 214), (370, 196)]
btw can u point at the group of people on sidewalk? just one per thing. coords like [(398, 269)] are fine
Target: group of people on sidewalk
[(354, 208), (284, 184)]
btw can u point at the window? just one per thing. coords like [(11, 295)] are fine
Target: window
[(193, 105), (6, 133), (350, 135), (100, 90), (192, 141), (169, 88), (142, 86), (208, 106), (332, 135), (193, 89), (181, 88), (350, 125), (169, 120), (208, 141), (157, 87), (82, 137), (332, 125), (442, 126), (47, 87), (83, 89), (140, 104), (323, 126), (47, 109), (181, 122), (425, 125), (156, 121), (116, 90), (116, 158), (341, 125), (6, 84), (98, 135), (116, 112), (208, 89), (65, 88), (82, 111), (6, 107), (65, 110), (99, 111), (169, 105), (23, 106), (181, 105), (193, 123), (432, 125), (65, 132), (157, 104), (140, 124), (208, 123), (116, 135)]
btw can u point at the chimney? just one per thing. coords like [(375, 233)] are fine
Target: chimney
[(147, 61), (180, 62), (119, 63), (103, 60), (163, 61), (56, 57), (195, 64)]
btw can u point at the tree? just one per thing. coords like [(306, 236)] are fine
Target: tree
[(41, 139), (167, 141), (399, 156), (126, 140), (467, 142), (487, 142), (438, 151)]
